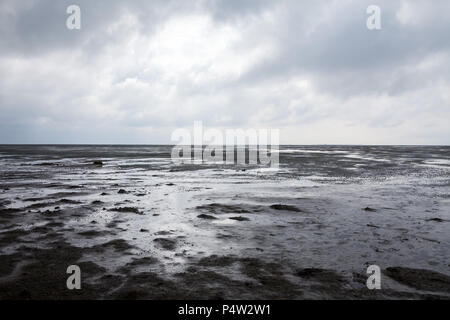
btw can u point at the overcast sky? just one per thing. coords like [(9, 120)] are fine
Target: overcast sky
[(137, 70)]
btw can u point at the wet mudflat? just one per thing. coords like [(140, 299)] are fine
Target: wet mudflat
[(142, 227)]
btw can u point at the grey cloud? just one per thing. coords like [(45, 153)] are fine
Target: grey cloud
[(273, 63)]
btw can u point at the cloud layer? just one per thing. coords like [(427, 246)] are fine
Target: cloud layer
[(137, 70)]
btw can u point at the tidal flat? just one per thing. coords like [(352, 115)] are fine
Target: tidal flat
[(142, 227)]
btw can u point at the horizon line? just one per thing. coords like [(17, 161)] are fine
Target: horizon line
[(165, 144)]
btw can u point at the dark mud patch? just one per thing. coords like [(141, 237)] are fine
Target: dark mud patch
[(68, 201), (40, 205), (91, 267), (6, 214), (206, 216), (44, 164), (4, 202), (320, 275), (271, 279), (436, 220), (74, 187), (114, 224), (239, 218), (165, 243), (148, 285), (209, 285), (43, 275), (137, 262), (55, 212), (267, 280), (218, 208), (420, 279), (224, 236), (118, 245), (163, 233), (217, 261), (127, 210), (34, 199), (143, 261), (285, 207), (41, 229), (66, 195), (12, 236), (93, 233), (55, 224), (8, 263)]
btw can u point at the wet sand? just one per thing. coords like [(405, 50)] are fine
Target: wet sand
[(141, 227)]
